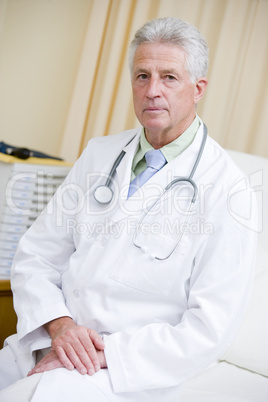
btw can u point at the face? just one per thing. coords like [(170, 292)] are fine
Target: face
[(164, 96)]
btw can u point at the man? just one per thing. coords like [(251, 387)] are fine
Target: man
[(138, 294)]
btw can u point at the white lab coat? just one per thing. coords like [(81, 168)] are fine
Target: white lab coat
[(162, 321)]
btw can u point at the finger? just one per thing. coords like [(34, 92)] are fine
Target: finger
[(90, 358), (64, 358), (96, 339), (75, 356), (87, 353), (45, 367), (49, 362)]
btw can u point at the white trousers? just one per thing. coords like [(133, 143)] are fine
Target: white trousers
[(61, 385), (23, 390), (56, 385)]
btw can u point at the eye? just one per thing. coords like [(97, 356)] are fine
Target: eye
[(142, 76), (170, 78)]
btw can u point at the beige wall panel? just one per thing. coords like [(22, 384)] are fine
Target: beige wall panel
[(226, 67), (40, 49), (247, 130)]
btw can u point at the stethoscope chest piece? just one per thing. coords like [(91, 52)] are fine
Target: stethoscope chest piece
[(103, 194)]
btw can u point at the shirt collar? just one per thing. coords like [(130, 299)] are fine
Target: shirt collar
[(171, 150)]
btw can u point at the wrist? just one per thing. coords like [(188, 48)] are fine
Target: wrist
[(52, 327)]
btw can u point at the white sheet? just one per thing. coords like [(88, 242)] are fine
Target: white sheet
[(226, 383)]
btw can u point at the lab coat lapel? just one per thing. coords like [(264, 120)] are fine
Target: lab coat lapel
[(122, 178), (123, 171), (184, 163)]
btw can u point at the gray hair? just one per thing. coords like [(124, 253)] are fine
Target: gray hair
[(174, 31)]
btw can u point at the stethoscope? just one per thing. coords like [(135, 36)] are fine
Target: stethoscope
[(104, 194)]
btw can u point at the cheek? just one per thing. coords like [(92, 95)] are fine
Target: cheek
[(137, 100), (184, 99)]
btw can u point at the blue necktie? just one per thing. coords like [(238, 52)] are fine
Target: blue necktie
[(155, 160)]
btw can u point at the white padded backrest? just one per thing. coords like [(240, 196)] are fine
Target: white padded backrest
[(256, 167), (249, 350)]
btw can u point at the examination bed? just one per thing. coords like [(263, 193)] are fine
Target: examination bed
[(242, 373)]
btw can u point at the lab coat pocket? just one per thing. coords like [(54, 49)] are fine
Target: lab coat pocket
[(139, 270)]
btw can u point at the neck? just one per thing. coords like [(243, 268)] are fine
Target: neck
[(160, 138)]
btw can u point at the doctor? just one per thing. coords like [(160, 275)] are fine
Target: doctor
[(125, 299)]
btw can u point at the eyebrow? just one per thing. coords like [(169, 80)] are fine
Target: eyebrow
[(141, 70), (165, 71), (170, 71)]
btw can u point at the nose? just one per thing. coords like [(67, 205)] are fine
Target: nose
[(153, 88)]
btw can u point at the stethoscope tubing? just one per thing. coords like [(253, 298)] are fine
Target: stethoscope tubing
[(103, 194), (114, 167)]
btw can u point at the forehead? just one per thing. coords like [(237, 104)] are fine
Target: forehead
[(159, 55)]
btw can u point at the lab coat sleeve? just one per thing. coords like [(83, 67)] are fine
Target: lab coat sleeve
[(41, 259), (160, 355)]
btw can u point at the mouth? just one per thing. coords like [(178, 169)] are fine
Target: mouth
[(154, 110)]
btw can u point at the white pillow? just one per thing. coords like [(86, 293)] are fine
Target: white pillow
[(250, 348)]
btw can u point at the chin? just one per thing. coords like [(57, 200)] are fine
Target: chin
[(154, 125)]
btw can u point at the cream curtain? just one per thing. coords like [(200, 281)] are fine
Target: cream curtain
[(235, 107)]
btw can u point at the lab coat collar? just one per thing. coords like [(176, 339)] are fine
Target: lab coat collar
[(123, 171)]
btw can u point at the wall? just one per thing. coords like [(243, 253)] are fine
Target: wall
[(40, 49)]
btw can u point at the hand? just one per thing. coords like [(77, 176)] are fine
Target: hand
[(76, 346), (49, 362)]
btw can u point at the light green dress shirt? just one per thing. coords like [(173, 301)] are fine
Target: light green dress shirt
[(170, 151)]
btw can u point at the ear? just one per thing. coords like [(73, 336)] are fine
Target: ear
[(200, 88)]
